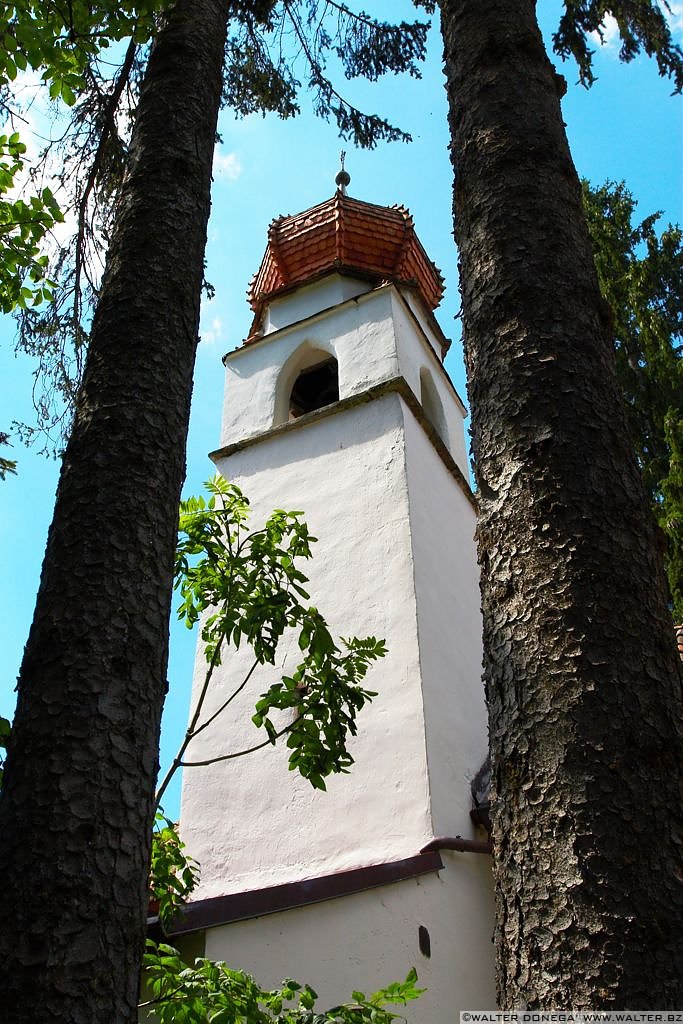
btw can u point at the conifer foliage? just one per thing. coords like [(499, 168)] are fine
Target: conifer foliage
[(640, 270), (276, 57), (643, 26)]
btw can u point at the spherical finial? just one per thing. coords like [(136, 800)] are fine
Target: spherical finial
[(343, 177)]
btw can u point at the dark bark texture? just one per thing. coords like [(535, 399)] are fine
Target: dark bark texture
[(77, 805), (582, 677)]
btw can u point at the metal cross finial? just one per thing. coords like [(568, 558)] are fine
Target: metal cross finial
[(343, 177)]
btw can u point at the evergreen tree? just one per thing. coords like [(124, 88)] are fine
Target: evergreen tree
[(641, 277), (583, 680), (77, 802)]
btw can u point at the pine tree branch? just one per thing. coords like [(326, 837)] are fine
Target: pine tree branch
[(108, 129)]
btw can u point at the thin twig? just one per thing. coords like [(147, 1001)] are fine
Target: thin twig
[(230, 699), (161, 999), (177, 760), (315, 66), (354, 15), (238, 753)]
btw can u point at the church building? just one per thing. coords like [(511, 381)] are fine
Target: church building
[(338, 404)]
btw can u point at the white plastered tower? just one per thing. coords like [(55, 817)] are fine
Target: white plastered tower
[(338, 404)]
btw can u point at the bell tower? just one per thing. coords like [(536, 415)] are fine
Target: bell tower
[(338, 404)]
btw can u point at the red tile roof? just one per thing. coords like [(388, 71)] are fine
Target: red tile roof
[(343, 234)]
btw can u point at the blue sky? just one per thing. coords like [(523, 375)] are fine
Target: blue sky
[(627, 126)]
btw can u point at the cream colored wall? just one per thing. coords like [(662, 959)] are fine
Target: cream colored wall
[(358, 332), (369, 939), (373, 337), (251, 822), (417, 350), (425, 320), (442, 525), (310, 299)]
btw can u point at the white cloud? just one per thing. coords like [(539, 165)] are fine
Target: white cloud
[(610, 35), (213, 334), (676, 20), (226, 166), (611, 41)]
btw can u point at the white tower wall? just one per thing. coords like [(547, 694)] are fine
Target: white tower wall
[(442, 524), (251, 822), (369, 939), (380, 476), (375, 337)]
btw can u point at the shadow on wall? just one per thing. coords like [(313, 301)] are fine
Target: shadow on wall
[(431, 404)]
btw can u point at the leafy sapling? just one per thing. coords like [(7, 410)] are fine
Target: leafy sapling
[(211, 991), (247, 587), (173, 874)]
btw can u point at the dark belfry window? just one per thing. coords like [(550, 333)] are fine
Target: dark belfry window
[(315, 387)]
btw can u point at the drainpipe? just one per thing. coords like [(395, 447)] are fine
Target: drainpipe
[(459, 844)]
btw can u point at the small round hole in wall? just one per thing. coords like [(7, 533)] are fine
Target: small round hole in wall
[(424, 941)]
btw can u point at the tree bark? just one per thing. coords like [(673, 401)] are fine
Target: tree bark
[(582, 678), (77, 805)]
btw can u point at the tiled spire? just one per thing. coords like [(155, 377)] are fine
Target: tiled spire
[(344, 234)]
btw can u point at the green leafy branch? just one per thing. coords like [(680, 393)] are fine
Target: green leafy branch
[(247, 588), (211, 991), (61, 42), (326, 693), (173, 873), (23, 226)]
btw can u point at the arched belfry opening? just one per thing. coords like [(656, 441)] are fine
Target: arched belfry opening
[(315, 387), (309, 380), (431, 404)]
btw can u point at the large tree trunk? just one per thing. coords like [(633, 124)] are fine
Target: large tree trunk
[(582, 678), (77, 804)]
